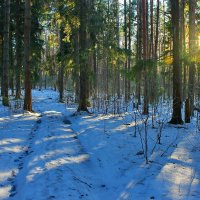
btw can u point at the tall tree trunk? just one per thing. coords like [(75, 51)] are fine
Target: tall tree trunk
[(176, 116), (126, 48), (6, 53), (1, 61), (95, 69), (153, 74), (84, 69), (106, 54), (129, 46), (116, 3), (18, 50), (157, 29), (182, 47), (11, 71), (27, 56), (145, 56), (139, 51), (76, 69), (198, 79), (1, 45), (163, 43), (152, 31), (192, 54), (61, 68)]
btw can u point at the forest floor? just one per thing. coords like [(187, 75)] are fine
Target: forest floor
[(54, 155)]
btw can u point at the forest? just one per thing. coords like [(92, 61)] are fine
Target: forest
[(100, 99)]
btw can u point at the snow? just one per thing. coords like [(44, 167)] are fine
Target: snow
[(52, 154)]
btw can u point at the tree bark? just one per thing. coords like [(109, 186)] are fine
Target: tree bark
[(145, 56), (76, 69), (18, 50), (6, 53), (182, 48), (116, 14), (61, 68), (84, 69), (187, 111), (139, 51), (1, 61), (192, 54), (152, 31), (27, 57), (129, 47), (126, 48), (176, 116), (157, 30), (1, 45)]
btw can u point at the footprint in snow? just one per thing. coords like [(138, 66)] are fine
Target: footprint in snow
[(51, 197), (66, 121), (13, 191)]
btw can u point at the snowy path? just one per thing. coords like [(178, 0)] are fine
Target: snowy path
[(55, 151), (58, 165), (51, 163), (14, 130)]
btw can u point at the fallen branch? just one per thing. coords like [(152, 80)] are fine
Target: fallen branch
[(77, 179)]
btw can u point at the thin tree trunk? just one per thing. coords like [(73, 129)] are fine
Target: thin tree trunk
[(198, 79), (118, 45), (139, 51), (76, 70), (192, 45), (129, 47), (126, 48), (27, 56), (157, 29), (152, 31), (152, 56), (145, 56), (61, 69), (18, 51), (95, 70), (182, 48), (6, 53), (11, 71)]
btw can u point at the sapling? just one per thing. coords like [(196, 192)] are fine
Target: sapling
[(160, 125), (135, 120), (118, 106), (160, 129), (144, 119), (106, 103), (154, 110), (141, 139), (114, 106), (198, 122), (146, 138)]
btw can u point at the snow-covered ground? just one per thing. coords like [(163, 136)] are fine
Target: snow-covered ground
[(52, 154)]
